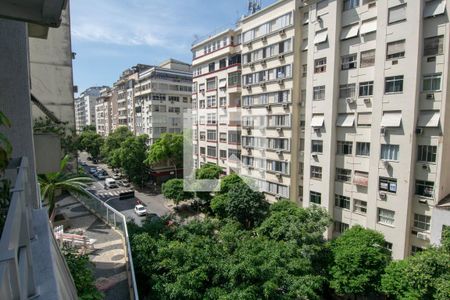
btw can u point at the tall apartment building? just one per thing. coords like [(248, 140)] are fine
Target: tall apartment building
[(161, 95), (354, 93), (104, 111), (85, 108)]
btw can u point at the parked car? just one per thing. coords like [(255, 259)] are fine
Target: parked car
[(124, 183), (116, 176), (102, 176), (100, 169), (89, 158), (92, 170), (140, 210), (110, 183)]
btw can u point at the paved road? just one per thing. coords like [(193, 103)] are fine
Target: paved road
[(155, 202)]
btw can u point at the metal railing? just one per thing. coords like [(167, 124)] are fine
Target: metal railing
[(117, 220)]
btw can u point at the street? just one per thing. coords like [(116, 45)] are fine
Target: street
[(155, 203)]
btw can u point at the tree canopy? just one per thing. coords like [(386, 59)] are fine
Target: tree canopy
[(91, 142), (168, 148), (132, 153), (174, 190), (114, 141)]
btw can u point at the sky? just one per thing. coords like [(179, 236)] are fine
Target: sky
[(109, 36)]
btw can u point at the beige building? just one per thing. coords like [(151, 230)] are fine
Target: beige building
[(352, 92), (104, 111)]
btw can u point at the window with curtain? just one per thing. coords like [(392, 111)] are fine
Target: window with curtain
[(395, 50), (389, 152), (397, 14)]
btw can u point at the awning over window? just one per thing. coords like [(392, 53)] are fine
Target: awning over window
[(317, 121), (345, 120), (321, 37), (304, 45), (222, 84), (434, 8), (349, 31), (429, 118), (395, 47), (391, 119), (364, 118), (361, 179), (369, 26)]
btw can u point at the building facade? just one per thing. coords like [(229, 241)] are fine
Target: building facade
[(103, 111), (85, 108), (344, 105)]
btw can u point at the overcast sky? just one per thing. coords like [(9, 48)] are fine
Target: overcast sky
[(112, 35)]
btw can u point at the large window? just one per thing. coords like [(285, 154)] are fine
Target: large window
[(212, 135), (397, 14), (340, 227), (344, 175), (211, 102), (234, 137), (362, 149), (395, 50), (366, 89), (388, 184), (386, 216), (278, 144), (344, 148), (319, 92), (433, 46), (367, 58), (316, 146), (211, 119), (315, 197), (349, 62), (211, 84), (424, 188), (426, 153), (320, 65), (359, 206), (389, 152), (212, 151), (234, 154), (422, 222), (347, 90), (279, 120), (394, 84), (342, 201), (431, 83), (316, 172), (234, 79), (278, 166), (349, 4)]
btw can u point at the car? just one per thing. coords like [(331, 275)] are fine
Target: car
[(110, 183), (100, 169), (124, 183), (102, 176), (140, 210), (116, 176), (92, 170)]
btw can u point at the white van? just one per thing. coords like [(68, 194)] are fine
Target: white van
[(110, 183)]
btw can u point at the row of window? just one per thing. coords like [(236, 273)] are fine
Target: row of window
[(268, 75), (266, 164), (268, 51), (266, 98), (267, 28), (266, 143)]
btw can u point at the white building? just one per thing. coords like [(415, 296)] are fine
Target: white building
[(85, 108)]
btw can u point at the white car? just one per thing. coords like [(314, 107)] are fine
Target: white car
[(140, 210)]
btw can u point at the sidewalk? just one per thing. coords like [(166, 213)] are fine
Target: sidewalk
[(108, 256)]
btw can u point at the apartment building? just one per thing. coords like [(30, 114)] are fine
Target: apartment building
[(216, 100), (161, 95), (85, 108), (343, 106), (104, 111)]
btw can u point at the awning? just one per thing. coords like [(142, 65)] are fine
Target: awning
[(434, 8), (321, 37), (305, 45), (369, 26), (361, 179), (391, 119), (395, 47), (345, 120), (317, 120), (222, 84), (364, 118), (349, 31), (429, 118)]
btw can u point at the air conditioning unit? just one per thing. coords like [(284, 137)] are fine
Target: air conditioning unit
[(281, 57), (279, 129), (268, 107), (281, 81), (263, 62), (419, 131), (279, 152), (285, 106), (383, 195), (250, 167), (263, 85), (430, 97), (425, 167), (383, 131), (422, 236), (279, 176), (249, 130), (423, 200), (249, 44), (350, 100), (248, 87), (251, 65), (367, 100), (282, 32), (317, 129), (264, 39)]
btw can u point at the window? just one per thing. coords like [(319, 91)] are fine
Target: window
[(212, 135), (212, 151), (415, 249), (367, 58), (426, 153), (422, 222), (223, 101), (223, 137), (431, 83), (395, 50), (433, 46), (386, 216), (397, 14), (319, 93), (234, 79), (202, 150), (304, 70), (349, 62), (342, 201), (222, 63), (388, 184), (320, 65), (349, 4), (389, 152), (359, 206), (234, 137), (343, 175), (340, 227), (234, 154), (210, 84), (212, 67), (344, 148), (202, 136), (223, 153), (393, 84), (362, 148), (316, 146), (315, 197), (316, 172), (278, 166), (279, 120), (277, 144), (388, 246), (424, 188), (211, 102), (366, 89), (278, 189), (347, 90), (211, 119)]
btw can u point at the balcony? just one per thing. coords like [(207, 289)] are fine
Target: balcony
[(31, 265)]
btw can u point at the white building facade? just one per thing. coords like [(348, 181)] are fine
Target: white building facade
[(85, 108)]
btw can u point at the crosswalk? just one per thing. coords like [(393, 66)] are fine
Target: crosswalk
[(109, 194)]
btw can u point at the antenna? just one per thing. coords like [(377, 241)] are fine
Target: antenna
[(253, 6)]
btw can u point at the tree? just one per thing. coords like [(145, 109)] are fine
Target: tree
[(208, 171), (91, 142), (229, 181), (132, 154), (90, 128), (359, 259), (219, 204), (168, 148), (246, 206), (114, 141), (62, 181), (174, 190)]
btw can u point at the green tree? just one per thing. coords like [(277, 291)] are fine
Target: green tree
[(62, 181), (174, 190), (91, 142), (208, 171), (114, 141), (219, 204), (227, 182), (359, 259), (90, 128), (246, 206), (133, 152), (79, 266), (168, 148)]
